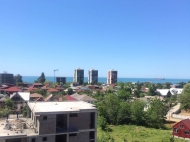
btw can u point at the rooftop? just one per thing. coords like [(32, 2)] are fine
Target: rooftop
[(16, 128), (57, 107)]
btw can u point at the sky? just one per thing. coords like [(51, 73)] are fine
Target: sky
[(138, 38)]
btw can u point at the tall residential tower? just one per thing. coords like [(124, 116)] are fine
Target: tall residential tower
[(79, 76), (112, 77), (6, 78), (93, 76)]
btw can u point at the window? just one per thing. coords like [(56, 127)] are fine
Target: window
[(71, 135), (92, 135), (186, 132), (181, 126), (44, 139), (176, 130), (73, 115), (33, 140), (45, 118)]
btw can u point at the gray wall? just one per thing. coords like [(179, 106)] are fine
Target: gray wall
[(47, 126), (81, 137), (40, 138), (82, 121)]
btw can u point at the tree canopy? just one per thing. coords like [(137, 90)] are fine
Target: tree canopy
[(9, 103), (42, 78), (185, 97), (18, 78)]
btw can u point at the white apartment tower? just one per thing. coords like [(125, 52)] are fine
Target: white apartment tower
[(93, 76), (79, 76), (112, 77)]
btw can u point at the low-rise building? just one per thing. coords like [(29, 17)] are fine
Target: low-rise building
[(52, 122), (182, 129), (84, 98), (20, 99)]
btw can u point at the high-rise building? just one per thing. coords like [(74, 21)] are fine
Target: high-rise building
[(6, 78), (61, 80), (112, 77), (93, 76), (79, 76)]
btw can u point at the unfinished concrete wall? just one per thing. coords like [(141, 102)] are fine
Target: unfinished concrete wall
[(82, 121), (81, 137), (47, 124), (42, 138), (14, 140), (2, 140)]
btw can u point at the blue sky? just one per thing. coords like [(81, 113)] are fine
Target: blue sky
[(143, 39)]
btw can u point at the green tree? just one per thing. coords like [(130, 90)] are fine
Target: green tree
[(123, 95), (123, 115), (137, 112), (185, 97), (155, 115), (120, 85), (9, 103), (40, 91), (182, 84), (108, 108), (70, 91), (141, 95), (18, 78), (152, 90), (159, 86), (4, 112), (105, 138), (42, 78), (24, 111), (167, 85), (102, 123)]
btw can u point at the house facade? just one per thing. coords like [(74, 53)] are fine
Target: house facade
[(182, 129)]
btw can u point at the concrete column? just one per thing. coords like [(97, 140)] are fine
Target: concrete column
[(95, 137), (67, 121), (32, 115), (67, 140), (28, 112)]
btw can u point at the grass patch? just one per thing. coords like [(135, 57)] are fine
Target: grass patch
[(134, 133)]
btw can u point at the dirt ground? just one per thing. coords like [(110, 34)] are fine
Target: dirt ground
[(187, 113), (170, 123)]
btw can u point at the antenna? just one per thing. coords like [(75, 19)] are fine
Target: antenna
[(54, 73)]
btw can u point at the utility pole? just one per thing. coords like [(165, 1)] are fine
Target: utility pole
[(54, 74)]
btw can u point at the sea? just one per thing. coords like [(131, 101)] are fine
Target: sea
[(31, 79)]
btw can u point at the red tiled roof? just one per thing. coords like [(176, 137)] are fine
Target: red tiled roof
[(32, 88), (112, 85), (186, 122), (37, 84), (68, 97), (52, 90), (45, 87), (13, 89), (36, 95)]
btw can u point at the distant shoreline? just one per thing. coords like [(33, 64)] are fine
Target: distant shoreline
[(31, 79)]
